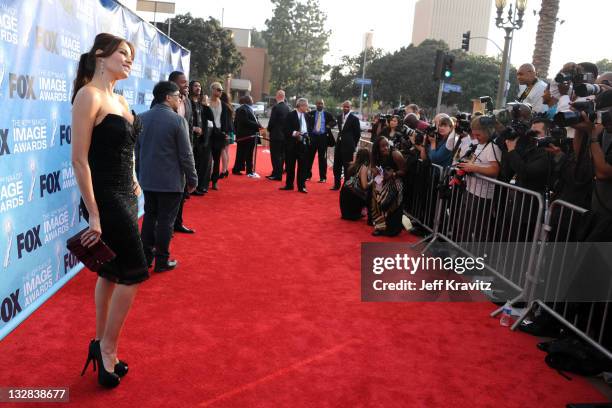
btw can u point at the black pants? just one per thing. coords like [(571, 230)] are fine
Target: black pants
[(160, 212), (203, 162), (244, 155), (178, 220), (296, 152), (277, 157), (341, 163), (216, 162), (319, 147)]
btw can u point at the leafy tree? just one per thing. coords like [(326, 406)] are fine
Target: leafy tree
[(257, 39), (406, 75), (342, 76), (605, 65), (213, 52), (297, 41)]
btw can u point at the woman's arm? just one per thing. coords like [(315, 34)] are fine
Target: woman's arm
[(363, 177), (84, 112), (400, 163)]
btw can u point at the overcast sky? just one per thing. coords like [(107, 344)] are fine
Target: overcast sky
[(584, 36)]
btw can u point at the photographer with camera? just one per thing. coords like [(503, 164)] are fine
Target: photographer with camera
[(378, 125), (485, 161), (596, 127), (437, 151), (394, 131), (460, 143)]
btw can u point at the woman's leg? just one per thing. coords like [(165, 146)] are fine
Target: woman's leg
[(119, 306), (225, 159), (103, 293)]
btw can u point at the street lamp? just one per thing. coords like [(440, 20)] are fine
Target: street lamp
[(514, 21)]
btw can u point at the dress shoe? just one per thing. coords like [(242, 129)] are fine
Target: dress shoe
[(378, 233), (106, 379), (273, 178), (198, 193), (214, 186), (202, 190), (168, 266), (335, 188), (303, 190), (323, 181), (184, 229), (236, 173), (286, 188)]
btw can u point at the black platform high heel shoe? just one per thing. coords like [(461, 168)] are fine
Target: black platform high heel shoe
[(105, 378), (121, 368)]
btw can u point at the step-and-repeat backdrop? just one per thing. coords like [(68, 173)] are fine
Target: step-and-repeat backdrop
[(40, 45)]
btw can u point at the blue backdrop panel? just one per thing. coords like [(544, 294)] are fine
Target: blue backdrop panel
[(40, 45)]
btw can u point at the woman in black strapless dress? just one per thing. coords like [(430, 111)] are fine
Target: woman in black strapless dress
[(103, 158)]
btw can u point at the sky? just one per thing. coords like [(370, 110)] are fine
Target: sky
[(580, 38)]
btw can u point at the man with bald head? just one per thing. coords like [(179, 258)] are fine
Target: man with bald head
[(277, 136), (531, 89)]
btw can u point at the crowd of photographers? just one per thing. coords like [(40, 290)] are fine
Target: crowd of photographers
[(554, 139)]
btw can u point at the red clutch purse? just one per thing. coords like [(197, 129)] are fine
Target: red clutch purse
[(93, 257)]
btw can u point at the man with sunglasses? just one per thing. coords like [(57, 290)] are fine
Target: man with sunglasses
[(165, 168)]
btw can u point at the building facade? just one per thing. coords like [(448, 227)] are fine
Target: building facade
[(447, 20)]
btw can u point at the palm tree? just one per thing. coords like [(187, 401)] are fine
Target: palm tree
[(545, 36)]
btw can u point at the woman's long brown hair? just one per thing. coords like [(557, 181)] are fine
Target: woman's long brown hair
[(105, 42)]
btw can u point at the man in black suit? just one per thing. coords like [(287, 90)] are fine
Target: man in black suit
[(184, 110), (276, 126), (297, 141), (247, 126), (348, 139), (322, 124)]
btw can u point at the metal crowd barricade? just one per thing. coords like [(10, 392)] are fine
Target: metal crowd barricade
[(586, 319), (421, 204), (494, 220)]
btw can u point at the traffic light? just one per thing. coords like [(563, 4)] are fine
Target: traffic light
[(449, 60), (465, 42), (439, 64), (365, 94)]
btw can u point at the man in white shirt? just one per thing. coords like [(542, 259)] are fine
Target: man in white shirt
[(531, 89), (297, 142)]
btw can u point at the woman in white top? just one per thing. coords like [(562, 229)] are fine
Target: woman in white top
[(477, 203)]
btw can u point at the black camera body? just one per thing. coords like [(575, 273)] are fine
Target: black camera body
[(557, 137), (570, 118), (573, 77), (464, 123), (419, 138)]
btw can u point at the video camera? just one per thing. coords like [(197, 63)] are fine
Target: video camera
[(574, 77)]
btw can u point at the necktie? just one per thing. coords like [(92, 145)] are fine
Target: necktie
[(318, 125)]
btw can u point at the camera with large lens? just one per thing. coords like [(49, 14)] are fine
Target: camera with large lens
[(517, 119), (464, 123), (573, 77), (586, 89), (557, 136), (571, 118)]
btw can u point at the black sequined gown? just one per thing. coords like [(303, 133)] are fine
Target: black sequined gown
[(111, 164)]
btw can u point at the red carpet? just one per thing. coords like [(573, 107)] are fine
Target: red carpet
[(264, 311)]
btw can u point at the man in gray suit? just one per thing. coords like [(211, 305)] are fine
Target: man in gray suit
[(164, 160)]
